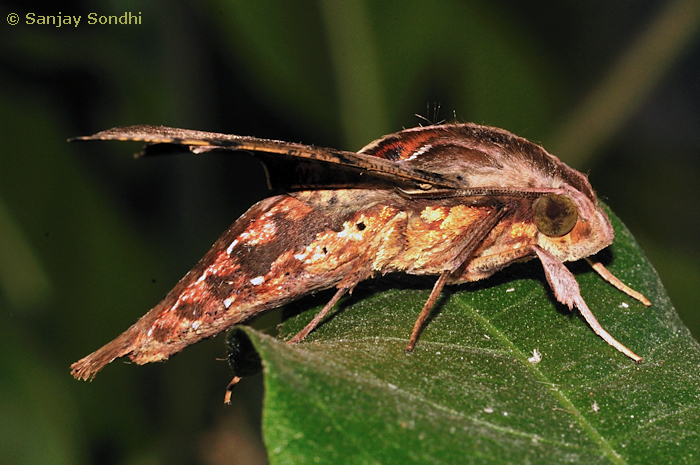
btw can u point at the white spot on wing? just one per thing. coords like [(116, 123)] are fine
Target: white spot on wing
[(419, 152), (230, 247), (203, 277), (258, 280)]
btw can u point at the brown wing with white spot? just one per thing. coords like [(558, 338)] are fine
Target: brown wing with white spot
[(282, 248)]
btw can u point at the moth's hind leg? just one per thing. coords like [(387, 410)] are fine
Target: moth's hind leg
[(301, 335)]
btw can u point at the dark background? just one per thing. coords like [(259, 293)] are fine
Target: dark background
[(90, 238)]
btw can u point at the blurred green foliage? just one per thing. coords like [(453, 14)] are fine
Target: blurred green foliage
[(90, 239)]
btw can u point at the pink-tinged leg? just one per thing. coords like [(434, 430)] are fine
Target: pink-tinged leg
[(566, 291)]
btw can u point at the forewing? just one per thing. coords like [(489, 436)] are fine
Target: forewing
[(479, 157), (167, 328), (284, 247), (291, 174), (161, 140)]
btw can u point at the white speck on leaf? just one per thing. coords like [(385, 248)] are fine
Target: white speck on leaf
[(536, 357)]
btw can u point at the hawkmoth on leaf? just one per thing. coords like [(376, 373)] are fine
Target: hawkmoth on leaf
[(458, 201)]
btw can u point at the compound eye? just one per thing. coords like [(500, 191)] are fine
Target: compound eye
[(555, 215)]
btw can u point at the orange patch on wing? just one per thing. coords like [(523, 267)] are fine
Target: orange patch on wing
[(261, 231), (432, 214), (429, 241), (522, 230), (461, 216)]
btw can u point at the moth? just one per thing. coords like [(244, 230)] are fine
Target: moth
[(456, 201)]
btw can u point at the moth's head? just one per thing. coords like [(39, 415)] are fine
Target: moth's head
[(571, 225)]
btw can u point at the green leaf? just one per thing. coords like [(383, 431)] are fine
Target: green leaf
[(469, 392)]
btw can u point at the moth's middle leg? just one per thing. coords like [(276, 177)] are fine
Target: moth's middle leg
[(301, 335)]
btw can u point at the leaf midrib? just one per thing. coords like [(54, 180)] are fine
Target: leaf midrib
[(564, 401), (340, 370)]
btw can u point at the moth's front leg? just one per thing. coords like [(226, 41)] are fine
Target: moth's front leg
[(566, 291)]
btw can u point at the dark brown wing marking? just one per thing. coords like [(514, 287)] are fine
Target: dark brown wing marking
[(195, 140)]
